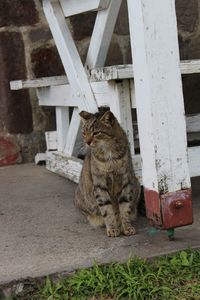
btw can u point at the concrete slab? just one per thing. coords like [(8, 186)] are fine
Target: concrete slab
[(42, 233)]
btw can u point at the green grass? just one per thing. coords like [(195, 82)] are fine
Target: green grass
[(172, 277)]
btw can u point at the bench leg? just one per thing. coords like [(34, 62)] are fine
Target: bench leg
[(160, 111)]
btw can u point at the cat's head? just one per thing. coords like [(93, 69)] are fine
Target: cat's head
[(98, 127)]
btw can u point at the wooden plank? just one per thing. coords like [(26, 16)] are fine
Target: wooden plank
[(102, 34), (40, 158), (193, 123), (98, 74), (74, 7), (121, 107), (112, 73), (157, 78), (70, 167), (126, 71), (51, 140), (67, 166), (36, 83), (69, 55), (194, 161), (72, 132), (62, 125), (190, 66), (64, 96)]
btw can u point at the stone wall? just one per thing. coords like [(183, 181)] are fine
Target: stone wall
[(27, 50)]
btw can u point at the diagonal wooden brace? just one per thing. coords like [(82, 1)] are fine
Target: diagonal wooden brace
[(69, 55)]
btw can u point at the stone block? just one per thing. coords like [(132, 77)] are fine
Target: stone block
[(46, 62), (18, 13), (21, 147), (15, 108), (187, 15), (44, 118), (31, 144), (9, 151), (40, 34), (122, 24), (82, 25)]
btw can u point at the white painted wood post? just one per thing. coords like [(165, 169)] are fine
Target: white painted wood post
[(62, 125), (51, 140), (72, 132), (159, 101), (102, 34), (120, 105)]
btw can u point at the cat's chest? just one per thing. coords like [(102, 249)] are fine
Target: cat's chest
[(111, 166), (114, 182)]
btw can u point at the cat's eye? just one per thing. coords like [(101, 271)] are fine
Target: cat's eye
[(97, 133)]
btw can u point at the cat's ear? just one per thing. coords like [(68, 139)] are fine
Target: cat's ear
[(85, 115), (108, 118)]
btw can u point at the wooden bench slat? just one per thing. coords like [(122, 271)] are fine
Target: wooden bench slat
[(99, 74), (74, 7), (126, 71), (39, 82), (70, 167)]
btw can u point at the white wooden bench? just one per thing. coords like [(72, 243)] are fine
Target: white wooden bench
[(155, 92), (53, 91)]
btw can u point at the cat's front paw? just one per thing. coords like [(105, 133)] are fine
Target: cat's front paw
[(130, 230), (113, 232)]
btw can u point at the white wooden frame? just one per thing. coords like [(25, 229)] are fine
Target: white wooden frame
[(158, 96)]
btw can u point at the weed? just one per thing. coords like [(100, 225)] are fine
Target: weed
[(172, 277)]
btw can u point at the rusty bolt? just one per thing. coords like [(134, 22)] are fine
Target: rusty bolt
[(178, 204)]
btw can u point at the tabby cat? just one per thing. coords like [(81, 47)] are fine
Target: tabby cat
[(108, 191)]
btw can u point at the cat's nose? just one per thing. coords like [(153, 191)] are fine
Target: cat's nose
[(88, 140)]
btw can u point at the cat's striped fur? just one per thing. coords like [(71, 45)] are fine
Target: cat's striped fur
[(108, 191)]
